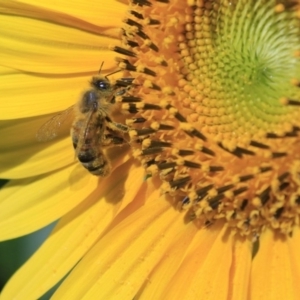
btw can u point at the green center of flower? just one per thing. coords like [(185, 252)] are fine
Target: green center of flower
[(215, 107), (241, 57)]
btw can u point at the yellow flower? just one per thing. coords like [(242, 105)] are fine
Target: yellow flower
[(204, 202)]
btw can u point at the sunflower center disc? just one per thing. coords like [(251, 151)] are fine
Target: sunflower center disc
[(214, 109)]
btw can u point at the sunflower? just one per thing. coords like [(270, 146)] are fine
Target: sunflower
[(203, 200)]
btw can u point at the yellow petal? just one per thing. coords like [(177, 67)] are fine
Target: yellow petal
[(204, 273), (294, 246), (237, 280), (43, 99), (23, 156), (158, 279), (36, 159), (29, 204), (35, 39), (75, 233), (93, 12), (78, 15), (50, 55), (240, 269), (118, 265), (56, 59), (19, 133), (275, 275)]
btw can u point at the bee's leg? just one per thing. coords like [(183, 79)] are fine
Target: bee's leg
[(117, 126), (119, 93), (111, 139), (122, 86)]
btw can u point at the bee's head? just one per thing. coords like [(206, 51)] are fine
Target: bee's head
[(101, 83)]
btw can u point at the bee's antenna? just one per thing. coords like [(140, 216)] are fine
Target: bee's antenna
[(101, 68), (109, 73), (113, 73)]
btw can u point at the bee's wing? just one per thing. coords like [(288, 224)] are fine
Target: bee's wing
[(50, 129), (84, 130)]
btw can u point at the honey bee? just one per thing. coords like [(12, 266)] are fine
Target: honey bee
[(92, 129)]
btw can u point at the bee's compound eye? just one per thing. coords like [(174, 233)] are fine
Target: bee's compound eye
[(101, 84)]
